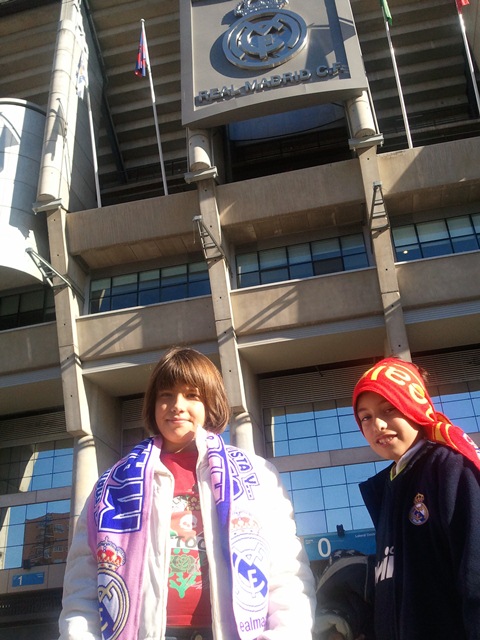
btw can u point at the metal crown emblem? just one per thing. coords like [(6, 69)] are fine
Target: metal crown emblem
[(247, 7)]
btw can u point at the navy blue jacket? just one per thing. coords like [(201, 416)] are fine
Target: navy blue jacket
[(427, 522)]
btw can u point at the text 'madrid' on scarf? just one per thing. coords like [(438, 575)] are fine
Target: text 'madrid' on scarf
[(401, 383), (119, 520)]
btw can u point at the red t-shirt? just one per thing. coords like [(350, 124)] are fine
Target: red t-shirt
[(188, 603)]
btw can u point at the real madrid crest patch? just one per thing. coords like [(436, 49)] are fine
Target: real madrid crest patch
[(418, 514), (113, 597)]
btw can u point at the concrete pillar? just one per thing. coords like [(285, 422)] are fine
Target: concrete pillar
[(67, 170), (377, 219), (84, 476), (203, 173), (360, 116)]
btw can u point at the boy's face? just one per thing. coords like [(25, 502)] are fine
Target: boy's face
[(388, 432)]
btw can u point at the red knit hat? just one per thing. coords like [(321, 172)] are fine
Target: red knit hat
[(402, 385)]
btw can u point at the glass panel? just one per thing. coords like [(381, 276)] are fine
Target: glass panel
[(124, 301), (404, 235), (197, 271), (174, 275), (249, 279), (320, 507), (100, 287), (476, 222), (151, 296), (328, 443), (430, 231), (323, 249), (335, 496), (299, 253), (98, 306), (303, 445), (408, 252), (200, 288), (301, 270), (9, 305), (461, 226), (31, 300), (438, 248), (276, 275), (174, 293), (332, 476), (247, 263), (359, 261), (336, 517), (306, 498), (323, 267), (465, 244), (352, 244), (271, 258), (149, 279), (124, 284)]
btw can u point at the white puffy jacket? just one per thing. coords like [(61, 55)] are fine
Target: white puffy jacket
[(291, 584)]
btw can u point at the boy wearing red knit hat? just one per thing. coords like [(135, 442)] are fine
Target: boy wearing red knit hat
[(425, 508)]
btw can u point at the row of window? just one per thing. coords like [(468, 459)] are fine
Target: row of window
[(303, 260), (437, 238), (325, 498), (34, 534), (149, 287), (328, 425), (24, 309), (33, 467)]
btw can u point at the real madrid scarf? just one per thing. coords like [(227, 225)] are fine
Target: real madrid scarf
[(402, 385), (119, 520)]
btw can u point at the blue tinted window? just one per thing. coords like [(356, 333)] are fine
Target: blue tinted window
[(310, 427), (149, 287), (301, 260), (35, 534), (325, 498), (33, 467), (437, 238)]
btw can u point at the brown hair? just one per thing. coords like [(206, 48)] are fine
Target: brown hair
[(188, 366)]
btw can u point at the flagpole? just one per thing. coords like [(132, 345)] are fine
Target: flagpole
[(152, 91), (397, 78), (469, 57)]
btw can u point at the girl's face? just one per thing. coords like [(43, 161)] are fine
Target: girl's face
[(388, 432), (178, 413)]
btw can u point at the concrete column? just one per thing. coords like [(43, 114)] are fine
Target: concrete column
[(84, 476), (225, 329), (66, 170), (396, 334), (360, 116)]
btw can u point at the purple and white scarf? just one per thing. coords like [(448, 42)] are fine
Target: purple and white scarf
[(119, 520)]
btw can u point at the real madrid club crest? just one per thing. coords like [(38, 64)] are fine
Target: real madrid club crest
[(265, 36), (113, 598), (418, 514)]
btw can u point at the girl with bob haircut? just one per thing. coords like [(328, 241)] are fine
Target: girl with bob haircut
[(194, 369), (187, 537)]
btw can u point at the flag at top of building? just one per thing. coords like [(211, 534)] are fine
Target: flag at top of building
[(386, 11), (141, 64), (461, 3)]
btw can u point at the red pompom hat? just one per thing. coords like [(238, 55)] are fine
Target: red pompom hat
[(402, 385)]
